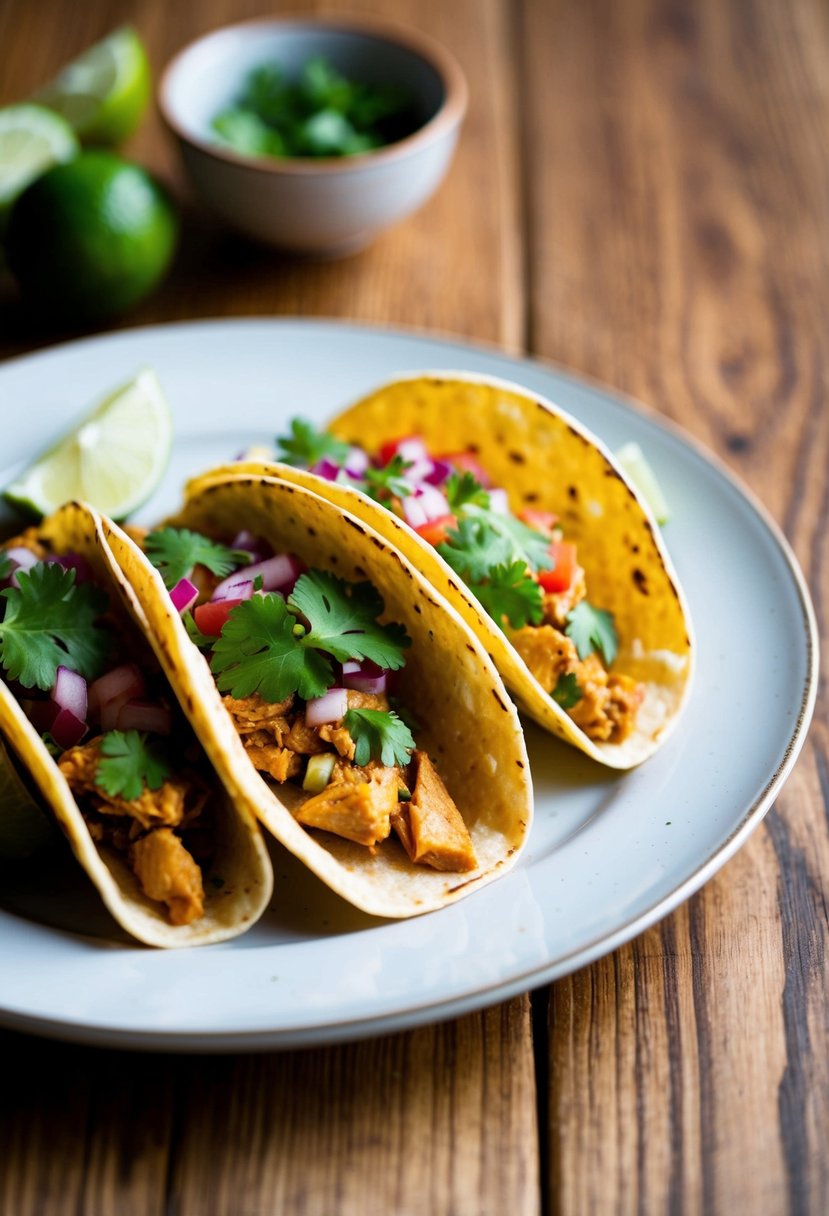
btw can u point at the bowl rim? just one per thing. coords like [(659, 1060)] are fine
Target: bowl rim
[(449, 114)]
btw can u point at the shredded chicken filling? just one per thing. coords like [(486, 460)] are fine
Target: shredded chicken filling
[(362, 804), (148, 830)]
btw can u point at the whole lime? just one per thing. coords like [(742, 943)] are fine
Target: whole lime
[(90, 238)]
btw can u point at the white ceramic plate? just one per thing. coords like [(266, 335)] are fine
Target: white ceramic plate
[(609, 854)]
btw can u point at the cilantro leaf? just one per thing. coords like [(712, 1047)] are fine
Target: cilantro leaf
[(343, 620), (258, 651), (50, 621), (306, 446), (592, 629), (567, 691), (379, 735), (462, 489), (525, 543), (513, 593), (176, 551), (389, 481), (5, 566), (129, 762), (474, 549)]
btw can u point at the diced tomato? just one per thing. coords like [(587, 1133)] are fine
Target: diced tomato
[(211, 617), (389, 449), (542, 521), (437, 530), (561, 576), (467, 462)]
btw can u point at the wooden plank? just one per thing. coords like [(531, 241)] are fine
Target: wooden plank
[(431, 1121), (455, 266), (439, 1120), (679, 243), (82, 1130)]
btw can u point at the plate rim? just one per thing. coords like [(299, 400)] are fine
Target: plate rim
[(431, 1011)]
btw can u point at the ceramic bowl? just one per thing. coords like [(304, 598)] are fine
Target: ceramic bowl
[(315, 206)]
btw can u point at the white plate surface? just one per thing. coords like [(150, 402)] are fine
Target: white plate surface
[(609, 854)]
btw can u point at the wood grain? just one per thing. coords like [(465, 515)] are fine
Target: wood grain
[(679, 230), (642, 193), (440, 1120)]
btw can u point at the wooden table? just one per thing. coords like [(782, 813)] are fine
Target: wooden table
[(642, 194)]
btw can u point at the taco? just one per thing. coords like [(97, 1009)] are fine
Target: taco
[(520, 518), (353, 707), (86, 710)]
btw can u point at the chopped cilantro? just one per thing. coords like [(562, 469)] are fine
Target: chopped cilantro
[(130, 761), (403, 794), (264, 649), (513, 593), (592, 629), (259, 652), (176, 551), (5, 566), (525, 543), (306, 446), (343, 620), (567, 691), (379, 735), (474, 549), (389, 481), (462, 489), (50, 621)]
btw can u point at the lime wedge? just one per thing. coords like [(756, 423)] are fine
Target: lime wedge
[(24, 827), (103, 93), (113, 460), (633, 462), (32, 139)]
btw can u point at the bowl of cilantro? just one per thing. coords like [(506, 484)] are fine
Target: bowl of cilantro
[(314, 135)]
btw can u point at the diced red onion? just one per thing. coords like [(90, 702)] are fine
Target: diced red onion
[(67, 729), (441, 471), (326, 468), (330, 707), (41, 714), (413, 513), (278, 573), (250, 543), (70, 692), (412, 450), (238, 586), (22, 558), (117, 686), (368, 678), (418, 472), (184, 595), (498, 501), (77, 562), (356, 463), (432, 502), (350, 667), (145, 715)]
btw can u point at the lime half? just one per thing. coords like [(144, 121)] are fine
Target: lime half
[(113, 460), (633, 462), (32, 139), (103, 93)]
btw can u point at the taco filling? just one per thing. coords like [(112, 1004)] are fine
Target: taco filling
[(308, 670), (521, 568), (134, 767)]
